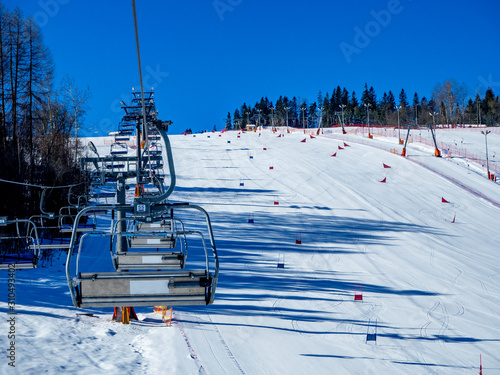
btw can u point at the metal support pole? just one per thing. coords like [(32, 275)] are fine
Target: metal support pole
[(144, 124), (121, 244), (138, 151), (342, 106), (403, 153), (486, 141), (400, 141)]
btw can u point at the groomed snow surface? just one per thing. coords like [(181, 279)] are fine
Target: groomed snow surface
[(429, 271)]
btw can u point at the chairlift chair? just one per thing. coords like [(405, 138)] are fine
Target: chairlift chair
[(150, 245), (154, 165), (186, 286), (115, 165), (66, 220), (122, 137), (154, 149), (153, 137), (19, 250), (118, 149), (52, 232), (126, 132)]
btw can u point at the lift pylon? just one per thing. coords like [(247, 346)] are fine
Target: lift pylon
[(437, 153)]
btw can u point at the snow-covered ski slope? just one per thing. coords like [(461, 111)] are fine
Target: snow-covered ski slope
[(429, 271)]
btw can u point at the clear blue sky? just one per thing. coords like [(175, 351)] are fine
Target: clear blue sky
[(205, 57)]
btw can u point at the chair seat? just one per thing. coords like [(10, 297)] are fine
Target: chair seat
[(178, 287)]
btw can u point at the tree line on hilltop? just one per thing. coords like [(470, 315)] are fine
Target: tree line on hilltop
[(448, 104), (37, 118)]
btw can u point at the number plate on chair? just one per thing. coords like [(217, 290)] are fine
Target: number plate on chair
[(142, 209)]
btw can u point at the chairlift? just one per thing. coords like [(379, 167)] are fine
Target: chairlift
[(122, 137), (118, 149), (19, 250), (150, 245), (143, 279), (155, 148), (153, 137), (97, 196), (115, 165), (186, 286), (66, 220), (126, 132), (54, 229), (81, 198), (154, 164), (51, 237)]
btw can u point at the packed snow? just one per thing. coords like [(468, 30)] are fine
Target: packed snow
[(420, 248)]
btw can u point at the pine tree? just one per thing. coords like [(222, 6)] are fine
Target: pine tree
[(403, 104), (294, 111), (416, 107), (312, 114), (492, 108), (391, 102), (469, 112), (244, 115), (403, 100), (337, 99), (478, 109), (372, 98), (326, 111), (280, 112), (286, 111), (319, 99), (424, 116), (333, 106), (345, 96), (354, 108), (383, 108), (365, 97)]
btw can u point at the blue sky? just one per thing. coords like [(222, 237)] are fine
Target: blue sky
[(206, 57)]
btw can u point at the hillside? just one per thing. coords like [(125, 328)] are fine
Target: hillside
[(429, 270)]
